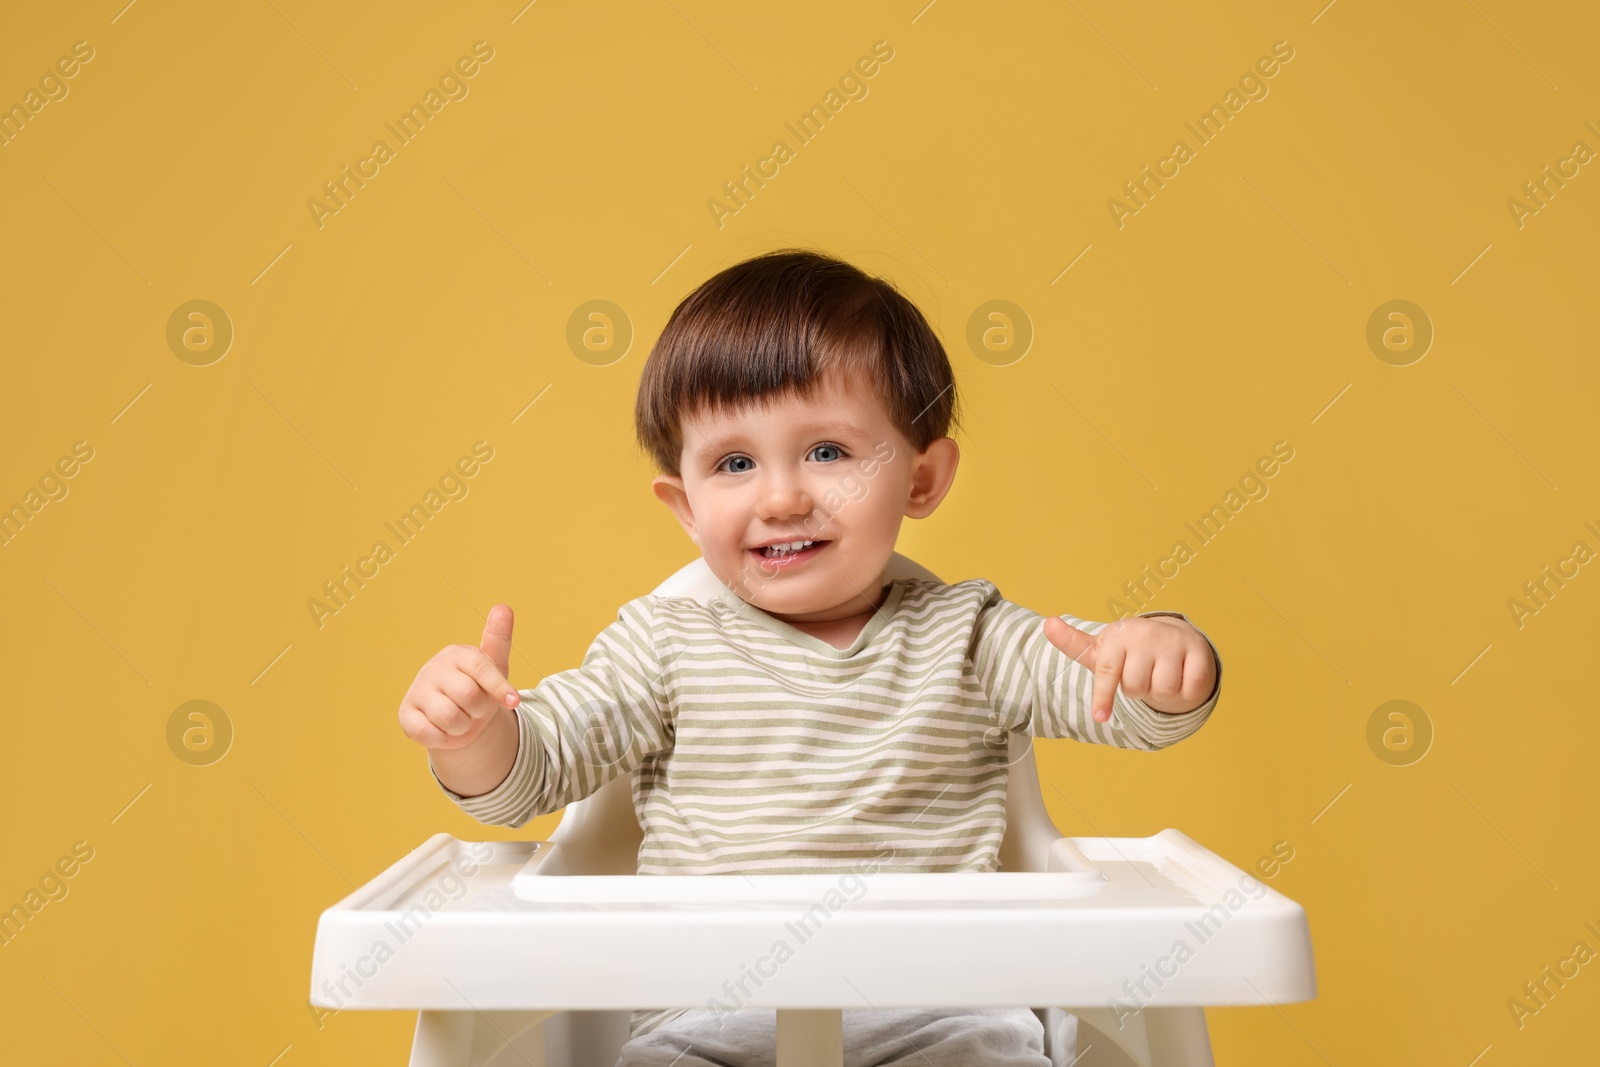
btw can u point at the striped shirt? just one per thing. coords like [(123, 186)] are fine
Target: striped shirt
[(761, 749)]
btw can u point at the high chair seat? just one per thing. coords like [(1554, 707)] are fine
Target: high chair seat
[(502, 971)]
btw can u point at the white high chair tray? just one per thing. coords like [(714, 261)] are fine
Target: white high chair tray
[(1160, 914), (1071, 875)]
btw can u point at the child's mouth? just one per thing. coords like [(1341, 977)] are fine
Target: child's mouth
[(787, 554)]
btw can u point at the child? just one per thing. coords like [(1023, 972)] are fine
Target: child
[(813, 716)]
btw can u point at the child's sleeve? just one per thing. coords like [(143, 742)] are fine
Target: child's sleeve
[(580, 728), (1034, 685)]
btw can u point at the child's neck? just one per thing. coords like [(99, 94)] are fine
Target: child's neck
[(841, 633)]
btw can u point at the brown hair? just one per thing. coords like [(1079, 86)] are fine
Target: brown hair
[(779, 322)]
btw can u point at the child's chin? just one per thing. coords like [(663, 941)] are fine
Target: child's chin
[(760, 587), (786, 594)]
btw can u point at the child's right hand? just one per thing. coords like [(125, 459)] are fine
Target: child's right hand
[(460, 690)]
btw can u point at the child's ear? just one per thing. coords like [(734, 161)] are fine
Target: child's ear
[(669, 489), (932, 473)]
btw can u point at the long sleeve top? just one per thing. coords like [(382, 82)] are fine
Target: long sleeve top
[(761, 749)]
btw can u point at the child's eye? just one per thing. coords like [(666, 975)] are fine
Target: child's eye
[(735, 459), (838, 452)]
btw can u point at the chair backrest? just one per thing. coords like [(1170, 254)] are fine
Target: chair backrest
[(600, 834)]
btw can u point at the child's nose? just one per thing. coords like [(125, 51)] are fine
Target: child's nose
[(784, 495)]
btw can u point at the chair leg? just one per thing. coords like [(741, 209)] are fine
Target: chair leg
[(443, 1039), (1060, 1035), (1178, 1037), (1098, 1026), (1154, 1037), (474, 1038), (810, 1038)]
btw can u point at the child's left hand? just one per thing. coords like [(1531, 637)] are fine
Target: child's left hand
[(1161, 660)]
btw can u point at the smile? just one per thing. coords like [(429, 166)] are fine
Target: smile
[(788, 554)]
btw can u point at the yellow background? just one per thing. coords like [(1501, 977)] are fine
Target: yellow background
[(1228, 314)]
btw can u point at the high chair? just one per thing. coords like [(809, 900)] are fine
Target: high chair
[(522, 968)]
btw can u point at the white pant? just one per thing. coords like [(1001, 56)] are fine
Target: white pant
[(924, 1037)]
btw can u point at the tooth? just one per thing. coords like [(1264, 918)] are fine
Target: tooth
[(787, 547)]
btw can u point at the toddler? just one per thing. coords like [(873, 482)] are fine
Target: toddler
[(814, 716)]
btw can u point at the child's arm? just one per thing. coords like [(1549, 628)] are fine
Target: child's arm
[(571, 734), (1033, 683)]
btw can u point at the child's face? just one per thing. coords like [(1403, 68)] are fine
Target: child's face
[(832, 469)]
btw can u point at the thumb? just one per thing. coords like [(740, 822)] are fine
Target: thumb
[(1071, 640), (496, 643)]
